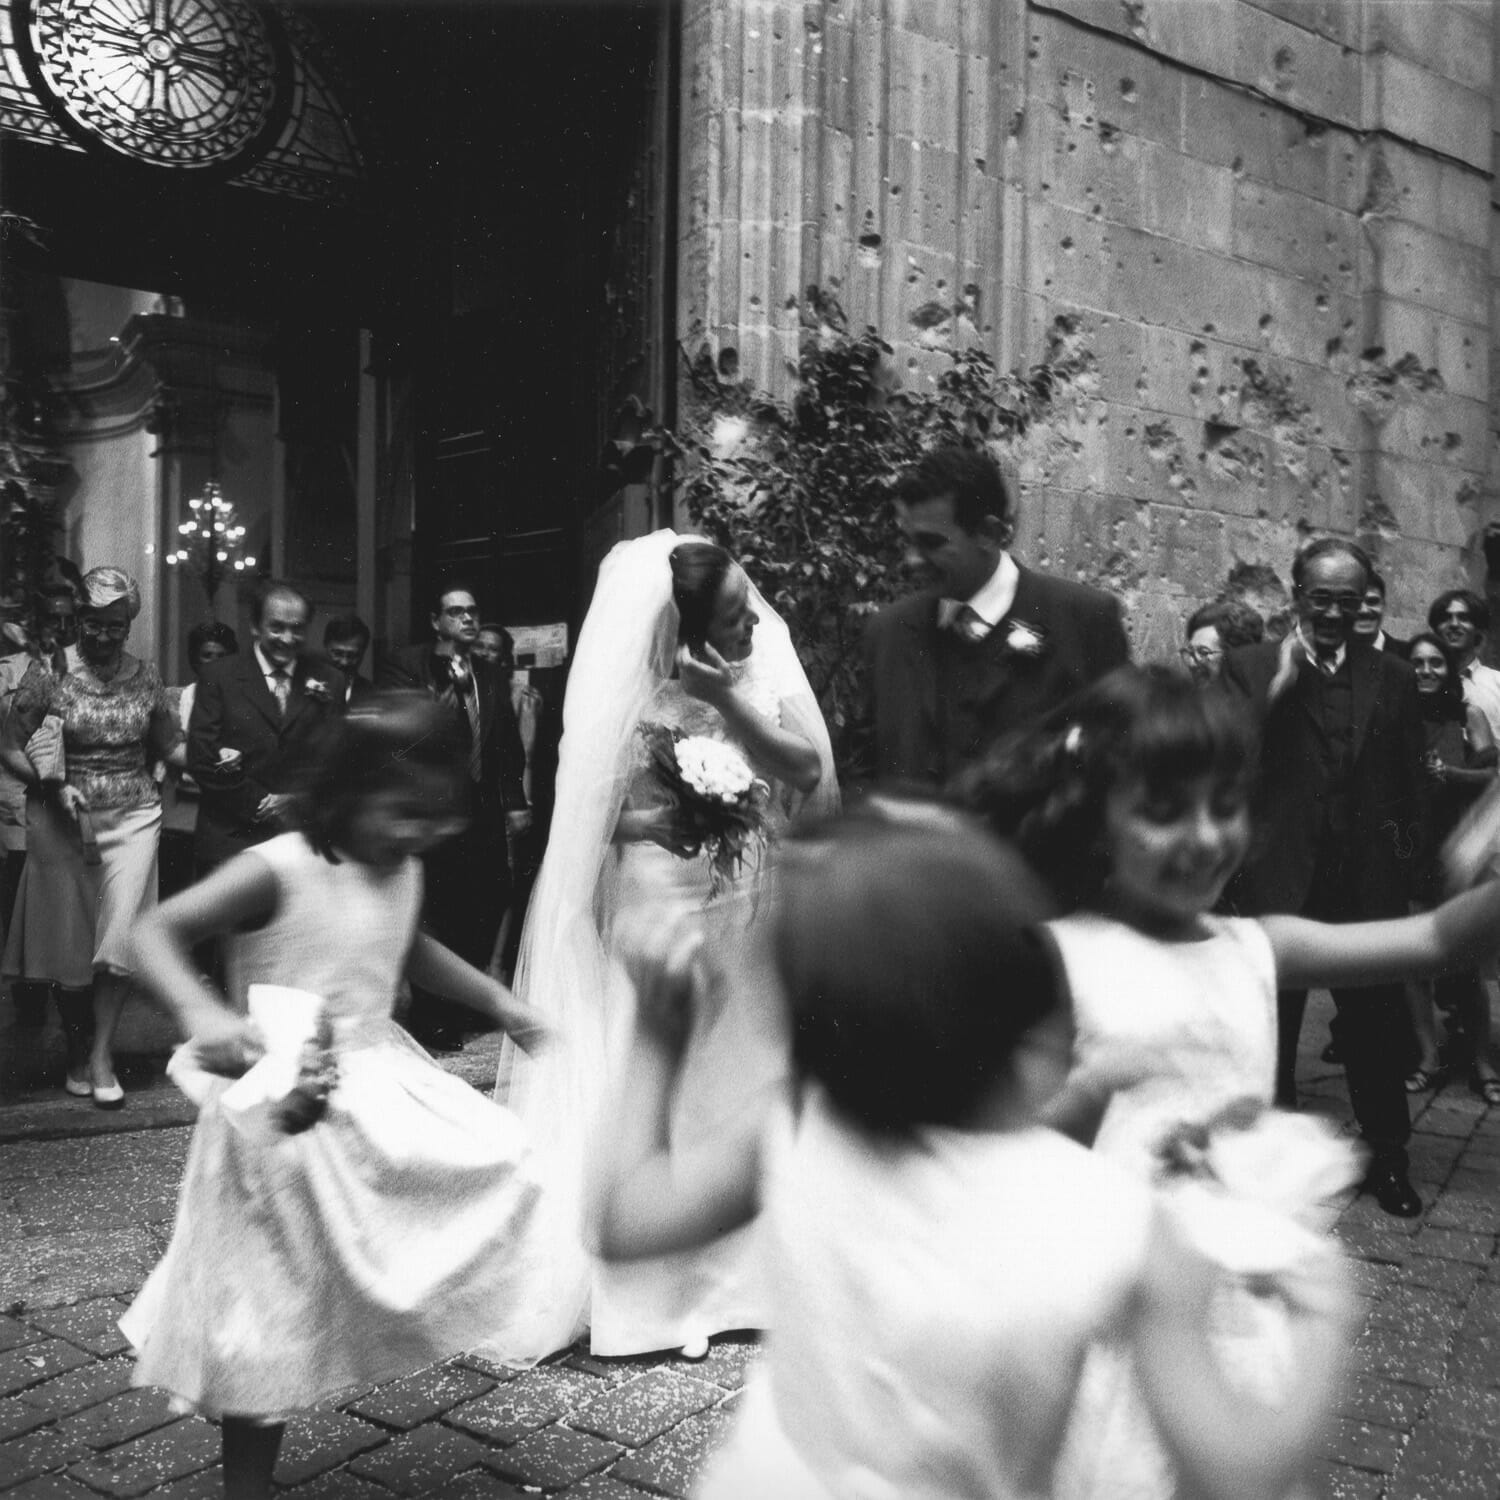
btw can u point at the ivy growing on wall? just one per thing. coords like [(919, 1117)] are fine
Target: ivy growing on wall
[(800, 490)]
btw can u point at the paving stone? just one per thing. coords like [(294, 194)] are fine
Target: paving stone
[(339, 1484), (1377, 1242), (553, 1457), (671, 1462), (114, 1200), (51, 1487), (638, 1410), (18, 1415), (507, 1414), (486, 1366), (1443, 1461), (604, 1487), (94, 1326), (80, 1389), (183, 1448), (1330, 1481), (1466, 1408), (1450, 1244), (34, 1363), (1389, 1354), (1455, 1278), (477, 1484), (120, 1418), (321, 1440), (613, 1370), (729, 1360), (1385, 1403), (416, 1461), (61, 1269), (14, 1333), (38, 1452), (418, 1398), (1474, 1362), (205, 1484), (1474, 1212), (1358, 1443)]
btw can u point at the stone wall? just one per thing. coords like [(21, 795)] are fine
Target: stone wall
[(1262, 229)]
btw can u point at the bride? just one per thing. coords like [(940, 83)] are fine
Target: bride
[(676, 635)]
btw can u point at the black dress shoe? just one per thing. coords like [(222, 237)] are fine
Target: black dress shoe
[(1391, 1188)]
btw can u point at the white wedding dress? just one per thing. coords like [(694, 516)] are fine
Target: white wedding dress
[(737, 1054)]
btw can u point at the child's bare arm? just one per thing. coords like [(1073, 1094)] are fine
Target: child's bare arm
[(434, 967), (238, 894)]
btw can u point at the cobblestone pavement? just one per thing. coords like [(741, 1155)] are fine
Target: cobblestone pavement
[(86, 1202)]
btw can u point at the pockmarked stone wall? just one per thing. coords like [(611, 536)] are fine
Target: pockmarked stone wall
[(1262, 232)]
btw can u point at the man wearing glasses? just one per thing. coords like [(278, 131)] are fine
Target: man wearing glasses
[(1462, 619), (1335, 822), (468, 877)]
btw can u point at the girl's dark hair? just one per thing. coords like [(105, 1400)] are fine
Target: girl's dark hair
[(910, 966), (1047, 788), (373, 746), (698, 573), (1450, 697)]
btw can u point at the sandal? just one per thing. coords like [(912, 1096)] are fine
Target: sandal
[(1488, 1089), (1421, 1079)]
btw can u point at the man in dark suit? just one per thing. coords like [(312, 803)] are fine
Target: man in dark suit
[(988, 646), (1369, 623), (468, 877), (250, 717), (1336, 820), (346, 638)]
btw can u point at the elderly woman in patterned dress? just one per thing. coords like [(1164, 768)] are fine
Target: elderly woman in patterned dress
[(94, 823)]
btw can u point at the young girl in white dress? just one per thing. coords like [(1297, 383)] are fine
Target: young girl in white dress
[(939, 1263), (381, 1238), (1131, 801)]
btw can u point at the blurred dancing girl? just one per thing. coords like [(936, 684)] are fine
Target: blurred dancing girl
[(381, 1238), (939, 1262), (1131, 800)]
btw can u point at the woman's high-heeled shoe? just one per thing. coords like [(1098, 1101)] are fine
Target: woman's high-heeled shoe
[(108, 1095), (1488, 1089)]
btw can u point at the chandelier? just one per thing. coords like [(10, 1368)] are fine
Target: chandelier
[(212, 540)]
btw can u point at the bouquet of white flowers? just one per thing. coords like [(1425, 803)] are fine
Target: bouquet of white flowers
[(720, 802)]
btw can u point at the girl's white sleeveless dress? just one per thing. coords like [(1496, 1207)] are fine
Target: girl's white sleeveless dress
[(933, 1302), (372, 1244), (1197, 1022)]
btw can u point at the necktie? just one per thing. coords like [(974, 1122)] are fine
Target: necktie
[(968, 624), (281, 686), (469, 693)]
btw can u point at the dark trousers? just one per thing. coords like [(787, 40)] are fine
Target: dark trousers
[(468, 890), (1373, 1030), (1372, 1026)]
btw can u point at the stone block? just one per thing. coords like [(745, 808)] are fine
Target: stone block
[(1458, 349), (643, 1408), (51, 1487), (1305, 70), (14, 1333), (33, 1363), (924, 90), (1383, 1403), (1429, 110), (1390, 1355), (65, 1268), (80, 1388), (1188, 199), (1445, 1461), (1328, 1481), (728, 1361), (1356, 1442), (122, 1417), (1454, 41), (1295, 234), (1332, 19), (318, 1441), (42, 1452), (418, 1461), (342, 1484), (1466, 1408), (93, 1326), (670, 1463), (547, 1394), (604, 1487), (151, 1461), (1128, 90), (1451, 431), (1427, 268), (477, 1484), (553, 1457)]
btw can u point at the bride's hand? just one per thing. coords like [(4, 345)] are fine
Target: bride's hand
[(665, 963), (661, 826), (709, 678)]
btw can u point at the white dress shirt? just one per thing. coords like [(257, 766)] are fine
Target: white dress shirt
[(991, 601), (1482, 689)]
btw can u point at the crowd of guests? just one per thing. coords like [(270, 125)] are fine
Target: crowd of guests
[(115, 789)]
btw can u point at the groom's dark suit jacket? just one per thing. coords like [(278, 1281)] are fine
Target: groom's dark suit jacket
[(935, 702), (234, 709)]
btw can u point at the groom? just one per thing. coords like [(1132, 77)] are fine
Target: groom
[(987, 646)]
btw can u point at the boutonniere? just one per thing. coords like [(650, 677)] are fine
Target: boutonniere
[(317, 689), (1022, 638)]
